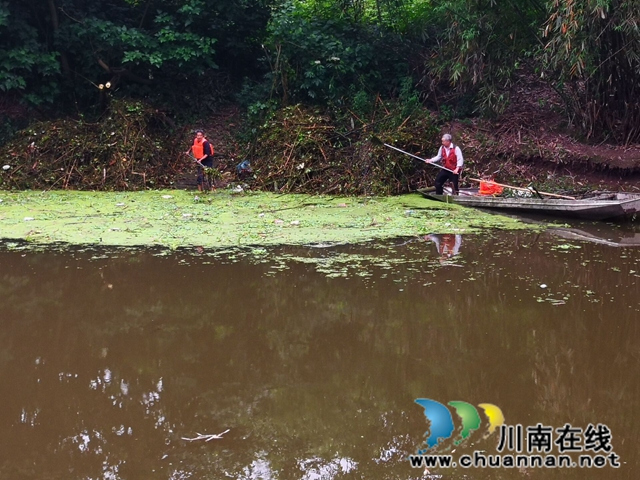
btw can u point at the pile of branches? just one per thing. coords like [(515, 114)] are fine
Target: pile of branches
[(306, 150), (131, 147)]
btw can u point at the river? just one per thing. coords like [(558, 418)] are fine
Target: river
[(306, 361)]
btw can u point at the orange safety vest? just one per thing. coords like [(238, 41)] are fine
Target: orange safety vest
[(449, 161), (198, 148)]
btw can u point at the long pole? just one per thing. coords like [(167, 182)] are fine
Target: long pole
[(377, 140), (194, 159)]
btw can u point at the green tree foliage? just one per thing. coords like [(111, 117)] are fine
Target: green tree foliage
[(162, 49), (319, 52), (474, 48), (459, 55), (25, 63), (593, 50)]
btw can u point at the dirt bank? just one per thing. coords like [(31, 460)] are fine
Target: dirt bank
[(303, 149), (533, 141)]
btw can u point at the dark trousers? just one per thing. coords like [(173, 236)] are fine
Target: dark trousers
[(203, 180), (442, 177)]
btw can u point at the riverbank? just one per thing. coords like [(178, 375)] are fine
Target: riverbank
[(179, 218), (306, 150)]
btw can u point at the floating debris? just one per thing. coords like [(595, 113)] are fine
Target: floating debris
[(147, 219), (206, 437)]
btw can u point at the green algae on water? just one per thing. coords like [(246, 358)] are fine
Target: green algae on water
[(176, 218)]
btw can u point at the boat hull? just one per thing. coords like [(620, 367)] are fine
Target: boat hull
[(604, 207)]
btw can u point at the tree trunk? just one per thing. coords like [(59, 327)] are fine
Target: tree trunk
[(64, 60)]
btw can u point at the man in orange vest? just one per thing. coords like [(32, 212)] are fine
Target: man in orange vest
[(203, 153), (452, 159)]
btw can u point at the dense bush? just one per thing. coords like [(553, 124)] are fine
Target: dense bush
[(302, 149), (132, 147)]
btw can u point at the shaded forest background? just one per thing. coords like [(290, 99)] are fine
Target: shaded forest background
[(106, 94)]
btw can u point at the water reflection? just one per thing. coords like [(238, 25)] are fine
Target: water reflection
[(447, 245), (311, 357), (613, 235)]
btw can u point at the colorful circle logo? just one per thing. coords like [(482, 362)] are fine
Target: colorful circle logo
[(441, 426)]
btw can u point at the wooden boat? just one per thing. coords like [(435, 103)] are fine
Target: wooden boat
[(601, 206)]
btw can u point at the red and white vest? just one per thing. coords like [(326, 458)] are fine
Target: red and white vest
[(449, 160)]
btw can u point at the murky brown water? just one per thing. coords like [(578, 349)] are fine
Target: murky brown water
[(311, 357)]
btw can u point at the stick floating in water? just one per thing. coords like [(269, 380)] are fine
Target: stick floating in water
[(206, 437)]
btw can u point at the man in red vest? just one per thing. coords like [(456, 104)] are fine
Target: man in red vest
[(203, 153), (452, 160)]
